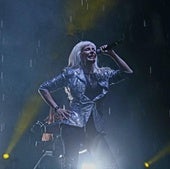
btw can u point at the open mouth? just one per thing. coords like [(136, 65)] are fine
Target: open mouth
[(91, 57)]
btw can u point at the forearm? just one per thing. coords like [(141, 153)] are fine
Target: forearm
[(46, 96), (120, 62), (62, 113)]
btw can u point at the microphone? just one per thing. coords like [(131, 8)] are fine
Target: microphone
[(110, 46)]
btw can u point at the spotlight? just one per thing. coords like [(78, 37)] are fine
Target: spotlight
[(5, 156), (146, 164)]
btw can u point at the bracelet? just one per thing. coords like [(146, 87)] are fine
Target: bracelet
[(56, 108)]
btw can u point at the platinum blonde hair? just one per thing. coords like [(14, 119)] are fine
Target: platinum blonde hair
[(75, 55)]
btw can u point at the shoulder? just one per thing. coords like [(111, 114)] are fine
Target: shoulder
[(105, 70), (68, 71), (107, 73)]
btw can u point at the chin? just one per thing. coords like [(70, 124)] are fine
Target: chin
[(91, 61)]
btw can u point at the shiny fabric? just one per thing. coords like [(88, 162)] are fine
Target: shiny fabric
[(75, 84)]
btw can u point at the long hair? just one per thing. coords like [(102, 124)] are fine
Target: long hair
[(75, 55)]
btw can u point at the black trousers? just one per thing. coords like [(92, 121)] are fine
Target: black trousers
[(75, 138)]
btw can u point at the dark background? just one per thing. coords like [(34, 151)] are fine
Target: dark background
[(36, 37)]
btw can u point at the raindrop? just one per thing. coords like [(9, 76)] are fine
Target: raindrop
[(70, 18), (87, 7), (109, 112), (3, 97), (39, 43), (2, 127), (30, 63), (2, 23), (144, 23), (2, 58), (2, 75), (150, 70), (103, 8), (82, 2)]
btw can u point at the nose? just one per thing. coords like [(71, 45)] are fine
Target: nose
[(92, 51)]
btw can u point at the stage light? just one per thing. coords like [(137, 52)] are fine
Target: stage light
[(162, 153), (29, 112), (5, 156), (146, 164)]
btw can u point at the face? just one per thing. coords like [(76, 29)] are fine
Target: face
[(88, 54)]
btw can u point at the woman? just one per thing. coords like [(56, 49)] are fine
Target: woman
[(86, 85)]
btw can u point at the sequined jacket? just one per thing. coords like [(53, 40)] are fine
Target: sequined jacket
[(81, 107)]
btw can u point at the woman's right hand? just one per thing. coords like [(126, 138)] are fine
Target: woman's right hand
[(62, 114), (106, 51)]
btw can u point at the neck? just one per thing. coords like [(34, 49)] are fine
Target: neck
[(88, 69)]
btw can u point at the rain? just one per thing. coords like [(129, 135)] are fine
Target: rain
[(36, 38)]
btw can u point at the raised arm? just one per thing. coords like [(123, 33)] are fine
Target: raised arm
[(119, 61)]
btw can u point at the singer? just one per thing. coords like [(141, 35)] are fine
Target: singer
[(86, 84)]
